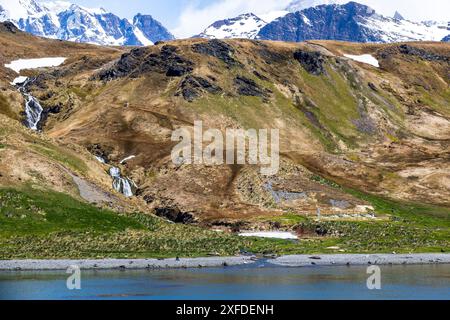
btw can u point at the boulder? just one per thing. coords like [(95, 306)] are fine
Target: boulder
[(312, 62)]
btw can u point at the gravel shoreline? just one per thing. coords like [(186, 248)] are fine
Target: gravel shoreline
[(361, 259), (284, 261), (122, 264)]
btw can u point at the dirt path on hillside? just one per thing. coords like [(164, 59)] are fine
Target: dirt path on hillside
[(90, 192)]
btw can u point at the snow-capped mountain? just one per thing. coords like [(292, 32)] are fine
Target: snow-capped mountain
[(248, 25), (350, 22), (243, 26), (300, 5), (67, 21), (327, 19)]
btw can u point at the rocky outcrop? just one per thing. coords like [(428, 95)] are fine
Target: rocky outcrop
[(140, 61), (174, 215), (409, 50), (192, 87), (8, 27), (248, 87), (312, 62), (218, 49)]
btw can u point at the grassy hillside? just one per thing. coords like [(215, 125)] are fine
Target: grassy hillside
[(368, 146), (36, 224)]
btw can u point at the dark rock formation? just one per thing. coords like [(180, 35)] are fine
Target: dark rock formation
[(413, 51), (270, 56), (312, 62), (8, 27), (192, 87), (321, 231), (260, 76), (99, 151), (423, 54), (149, 198), (325, 22), (372, 86), (218, 49), (175, 215), (143, 60), (47, 110), (248, 87)]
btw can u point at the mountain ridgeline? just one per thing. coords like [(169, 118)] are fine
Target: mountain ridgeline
[(348, 22), (301, 20), (66, 21)]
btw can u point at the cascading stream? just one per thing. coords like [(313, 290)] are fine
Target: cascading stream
[(120, 184), (33, 108)]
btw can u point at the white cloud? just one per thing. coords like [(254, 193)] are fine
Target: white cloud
[(195, 19)]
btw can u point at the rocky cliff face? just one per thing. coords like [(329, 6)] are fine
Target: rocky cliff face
[(350, 22), (322, 19), (151, 28)]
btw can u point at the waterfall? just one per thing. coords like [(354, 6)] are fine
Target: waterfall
[(120, 184), (33, 108)]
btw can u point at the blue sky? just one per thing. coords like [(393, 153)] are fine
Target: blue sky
[(185, 18)]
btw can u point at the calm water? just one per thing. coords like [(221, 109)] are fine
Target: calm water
[(256, 281)]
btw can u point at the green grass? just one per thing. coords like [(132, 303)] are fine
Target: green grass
[(324, 181), (418, 213), (36, 224), (45, 225), (36, 212), (60, 155)]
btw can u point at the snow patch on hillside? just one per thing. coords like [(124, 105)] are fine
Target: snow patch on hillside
[(364, 58), (142, 38), (19, 80), (23, 64), (270, 234)]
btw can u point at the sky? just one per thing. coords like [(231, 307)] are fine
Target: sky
[(185, 18)]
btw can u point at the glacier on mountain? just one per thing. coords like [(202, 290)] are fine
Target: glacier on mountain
[(327, 20), (66, 21)]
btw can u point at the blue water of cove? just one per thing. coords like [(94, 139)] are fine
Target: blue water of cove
[(256, 281)]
